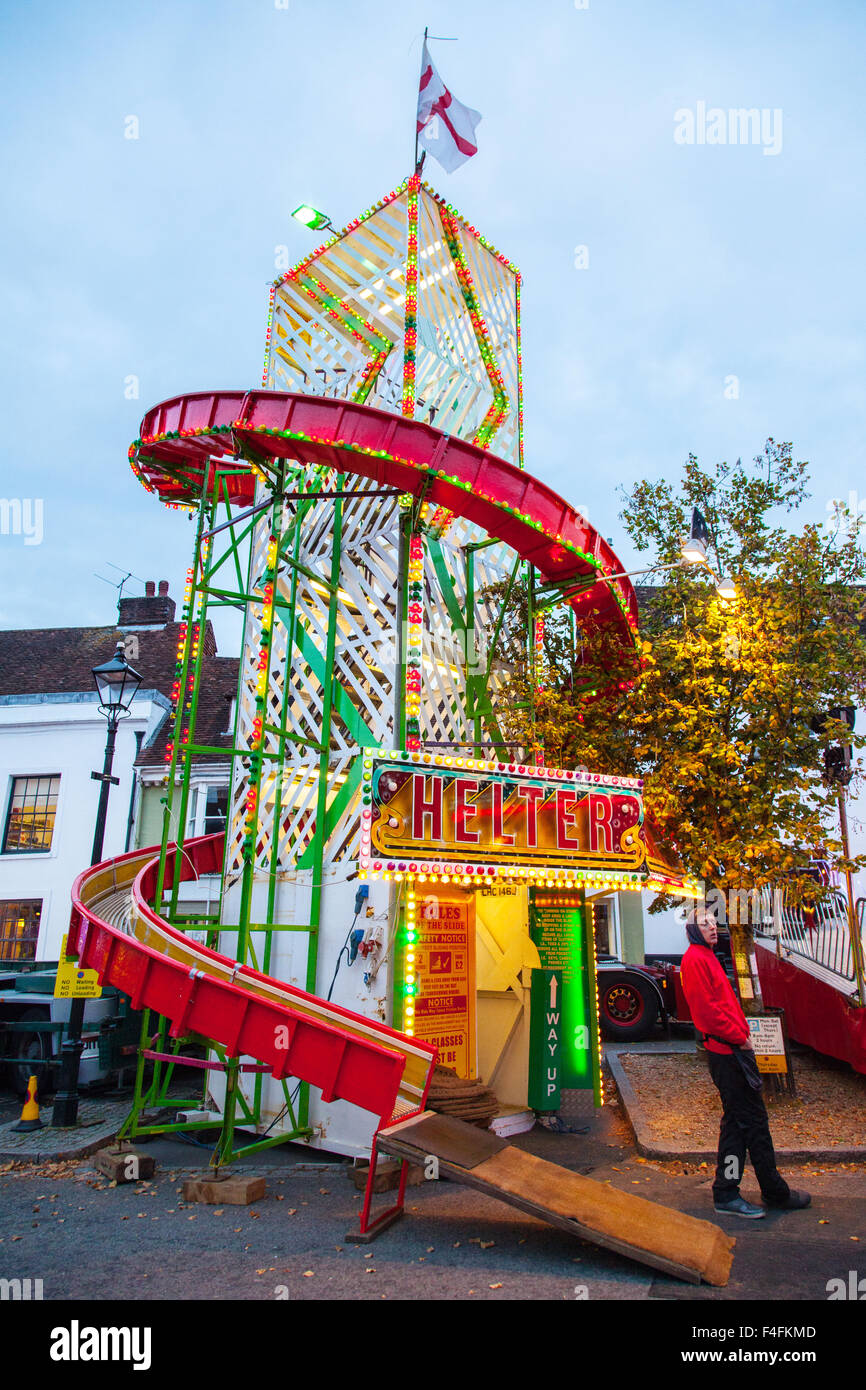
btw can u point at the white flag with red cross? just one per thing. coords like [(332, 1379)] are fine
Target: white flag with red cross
[(446, 128)]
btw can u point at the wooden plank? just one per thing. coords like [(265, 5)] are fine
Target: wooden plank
[(448, 1139), (665, 1239)]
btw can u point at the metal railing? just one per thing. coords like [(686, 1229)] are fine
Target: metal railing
[(818, 932)]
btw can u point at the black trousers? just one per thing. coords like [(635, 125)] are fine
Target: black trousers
[(745, 1127)]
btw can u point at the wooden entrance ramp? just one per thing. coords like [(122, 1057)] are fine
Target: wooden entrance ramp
[(681, 1245)]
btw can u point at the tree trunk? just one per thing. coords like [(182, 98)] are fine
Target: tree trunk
[(745, 968)]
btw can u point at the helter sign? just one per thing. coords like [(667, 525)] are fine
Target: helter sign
[(468, 819)]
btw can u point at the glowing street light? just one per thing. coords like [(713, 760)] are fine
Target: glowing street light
[(694, 545), (693, 551)]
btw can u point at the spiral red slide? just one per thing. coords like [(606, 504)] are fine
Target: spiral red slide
[(115, 931)]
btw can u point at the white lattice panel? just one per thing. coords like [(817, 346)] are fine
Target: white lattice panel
[(334, 313), (337, 329)]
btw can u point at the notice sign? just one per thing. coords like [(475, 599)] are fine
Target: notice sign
[(445, 972), (768, 1041), (74, 983)]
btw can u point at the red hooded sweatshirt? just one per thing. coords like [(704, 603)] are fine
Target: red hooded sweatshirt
[(714, 1006)]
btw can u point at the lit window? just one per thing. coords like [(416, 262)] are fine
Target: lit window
[(30, 820), (19, 929)]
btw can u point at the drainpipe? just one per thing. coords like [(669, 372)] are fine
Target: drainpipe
[(139, 735)]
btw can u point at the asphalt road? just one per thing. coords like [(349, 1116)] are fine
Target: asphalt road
[(87, 1240)]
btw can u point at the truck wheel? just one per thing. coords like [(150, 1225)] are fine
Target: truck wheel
[(37, 1046), (628, 1009)]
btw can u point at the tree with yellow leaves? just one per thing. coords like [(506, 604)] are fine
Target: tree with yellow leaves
[(718, 717)]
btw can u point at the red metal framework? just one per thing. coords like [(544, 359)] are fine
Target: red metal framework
[(183, 440)]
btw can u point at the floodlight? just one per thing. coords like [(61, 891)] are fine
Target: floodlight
[(311, 217)]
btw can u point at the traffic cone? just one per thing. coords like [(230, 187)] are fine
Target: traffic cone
[(30, 1111)]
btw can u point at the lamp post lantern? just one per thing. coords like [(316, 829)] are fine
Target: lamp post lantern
[(117, 684)]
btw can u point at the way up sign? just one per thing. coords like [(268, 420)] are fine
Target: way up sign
[(545, 1039)]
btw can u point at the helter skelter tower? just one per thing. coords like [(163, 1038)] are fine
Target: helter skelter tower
[(360, 509)]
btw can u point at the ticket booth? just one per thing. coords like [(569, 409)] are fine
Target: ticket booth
[(494, 950)]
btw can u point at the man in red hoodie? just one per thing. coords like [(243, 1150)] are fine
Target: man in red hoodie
[(745, 1125)]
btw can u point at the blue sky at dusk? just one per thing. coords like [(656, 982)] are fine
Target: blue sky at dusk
[(151, 257)]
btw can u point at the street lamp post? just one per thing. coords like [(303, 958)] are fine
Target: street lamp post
[(693, 553), (838, 770), (117, 685)]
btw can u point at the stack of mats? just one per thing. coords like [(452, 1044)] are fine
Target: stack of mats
[(469, 1101)]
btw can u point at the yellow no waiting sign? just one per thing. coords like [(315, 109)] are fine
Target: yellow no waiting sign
[(72, 982)]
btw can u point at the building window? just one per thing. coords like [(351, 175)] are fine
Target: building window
[(602, 925), (19, 929), (232, 703), (216, 809), (30, 821)]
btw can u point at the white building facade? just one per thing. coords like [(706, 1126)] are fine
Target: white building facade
[(50, 743)]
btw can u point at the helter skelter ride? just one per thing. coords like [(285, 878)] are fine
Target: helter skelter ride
[(395, 883)]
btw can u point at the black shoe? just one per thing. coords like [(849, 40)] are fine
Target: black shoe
[(738, 1206), (795, 1201)]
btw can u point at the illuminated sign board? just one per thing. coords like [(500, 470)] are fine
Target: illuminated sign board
[(557, 924), (545, 1040), (468, 820)]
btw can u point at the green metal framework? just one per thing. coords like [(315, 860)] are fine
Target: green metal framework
[(411, 309)]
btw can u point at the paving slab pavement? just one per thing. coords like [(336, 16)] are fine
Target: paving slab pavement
[(650, 1147)]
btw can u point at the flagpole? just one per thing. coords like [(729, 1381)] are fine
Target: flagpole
[(415, 165)]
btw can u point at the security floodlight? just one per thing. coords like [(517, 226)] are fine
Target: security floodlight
[(311, 217)]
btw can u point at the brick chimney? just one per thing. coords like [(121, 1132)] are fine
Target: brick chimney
[(151, 610)]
